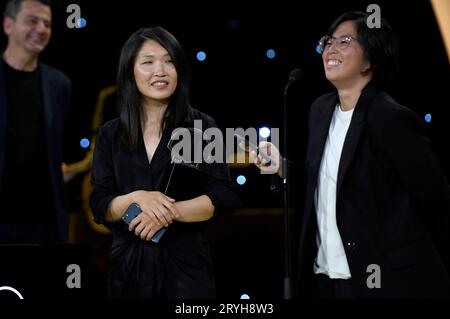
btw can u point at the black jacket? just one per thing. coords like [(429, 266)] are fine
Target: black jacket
[(390, 192), (56, 93), (180, 265)]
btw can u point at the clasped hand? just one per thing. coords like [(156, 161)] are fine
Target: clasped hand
[(158, 211)]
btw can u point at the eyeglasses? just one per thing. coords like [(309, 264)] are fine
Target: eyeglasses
[(340, 43)]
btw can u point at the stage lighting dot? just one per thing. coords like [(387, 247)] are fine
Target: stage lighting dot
[(85, 143), (201, 56), (264, 132), (245, 296), (319, 49), (428, 118), (81, 23), (270, 53), (241, 179)]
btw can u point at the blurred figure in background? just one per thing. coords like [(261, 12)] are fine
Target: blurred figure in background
[(34, 99)]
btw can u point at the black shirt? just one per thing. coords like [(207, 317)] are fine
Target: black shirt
[(25, 195)]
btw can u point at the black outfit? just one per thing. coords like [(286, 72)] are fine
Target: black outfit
[(390, 191), (32, 113), (328, 288), (180, 265)]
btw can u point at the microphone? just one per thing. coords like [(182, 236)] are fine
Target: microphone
[(295, 75)]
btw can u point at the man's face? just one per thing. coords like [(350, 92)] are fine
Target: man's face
[(31, 28)]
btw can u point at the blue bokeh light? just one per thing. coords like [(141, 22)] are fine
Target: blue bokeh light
[(319, 49), (81, 23), (271, 53), (241, 179), (84, 143), (201, 56)]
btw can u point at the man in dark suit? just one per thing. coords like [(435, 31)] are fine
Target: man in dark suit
[(375, 190), (33, 101)]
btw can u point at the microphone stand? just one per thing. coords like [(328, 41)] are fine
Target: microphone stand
[(287, 284)]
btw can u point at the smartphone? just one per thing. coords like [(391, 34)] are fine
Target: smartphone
[(132, 212), (249, 146), (156, 237)]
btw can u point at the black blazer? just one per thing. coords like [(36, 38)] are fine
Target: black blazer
[(390, 187), (56, 93)]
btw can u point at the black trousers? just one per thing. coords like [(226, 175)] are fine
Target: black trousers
[(328, 288)]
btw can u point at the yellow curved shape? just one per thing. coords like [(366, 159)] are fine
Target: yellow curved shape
[(86, 163), (441, 10)]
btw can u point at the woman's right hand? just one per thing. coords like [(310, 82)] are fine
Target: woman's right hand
[(144, 227), (272, 166), (159, 208)]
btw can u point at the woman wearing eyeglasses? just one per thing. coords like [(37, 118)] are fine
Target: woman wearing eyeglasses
[(130, 175), (374, 187)]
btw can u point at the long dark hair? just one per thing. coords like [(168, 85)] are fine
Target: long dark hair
[(380, 46), (129, 97)]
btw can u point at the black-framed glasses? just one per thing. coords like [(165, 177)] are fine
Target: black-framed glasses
[(340, 43)]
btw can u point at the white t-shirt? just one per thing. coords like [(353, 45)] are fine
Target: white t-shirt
[(331, 259)]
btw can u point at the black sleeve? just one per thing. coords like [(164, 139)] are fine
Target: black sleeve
[(219, 187), (410, 152), (297, 165), (104, 185), (67, 95), (221, 190)]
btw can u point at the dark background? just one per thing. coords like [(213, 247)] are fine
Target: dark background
[(240, 87)]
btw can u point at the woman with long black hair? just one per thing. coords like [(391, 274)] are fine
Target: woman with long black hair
[(130, 166)]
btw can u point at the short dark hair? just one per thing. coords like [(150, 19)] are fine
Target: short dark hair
[(129, 97), (380, 45), (13, 7)]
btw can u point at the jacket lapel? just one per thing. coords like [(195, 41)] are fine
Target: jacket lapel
[(354, 132), (319, 131), (49, 98), (319, 123)]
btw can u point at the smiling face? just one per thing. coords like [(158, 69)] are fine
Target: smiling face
[(344, 67), (155, 73), (30, 30)]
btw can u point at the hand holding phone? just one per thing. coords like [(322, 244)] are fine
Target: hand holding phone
[(132, 212)]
